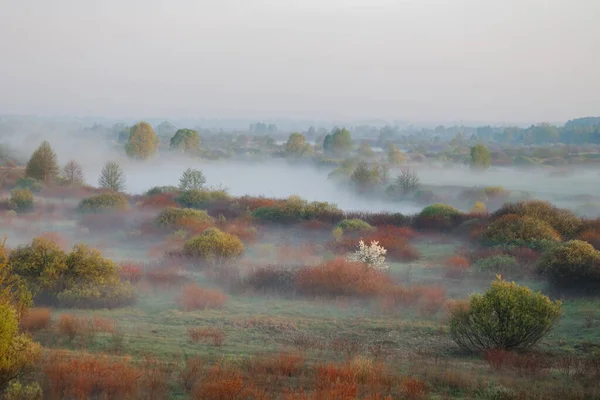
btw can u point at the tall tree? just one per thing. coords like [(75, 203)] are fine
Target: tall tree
[(191, 179), (112, 177), (481, 157), (142, 142), (341, 141), (43, 165), (73, 174), (395, 156), (186, 140), (296, 145)]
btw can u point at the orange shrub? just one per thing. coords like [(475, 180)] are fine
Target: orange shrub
[(191, 373), (131, 272), (414, 389), (253, 203), (242, 230), (159, 201), (166, 276), (456, 266), (194, 297), (70, 326), (282, 364), (592, 237), (403, 232), (220, 384), (217, 336), (36, 319), (84, 376), (342, 278)]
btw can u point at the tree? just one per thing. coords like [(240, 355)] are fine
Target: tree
[(365, 150), (191, 179), (507, 316), (338, 142), (408, 181), (395, 156), (185, 140), (112, 177), (296, 145), (43, 165), (142, 142), (364, 175), (574, 264), (372, 255), (73, 174), (481, 158)]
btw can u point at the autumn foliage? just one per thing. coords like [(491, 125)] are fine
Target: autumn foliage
[(194, 297)]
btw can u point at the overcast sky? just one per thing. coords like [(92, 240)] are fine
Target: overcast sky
[(418, 60)]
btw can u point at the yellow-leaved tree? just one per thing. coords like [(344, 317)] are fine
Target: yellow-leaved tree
[(142, 143)]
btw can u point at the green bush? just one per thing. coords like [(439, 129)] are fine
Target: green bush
[(103, 202), (201, 198), (22, 199), (161, 189), (565, 222), (507, 316), (29, 183), (321, 211), (572, 264), (110, 295), (172, 217), (501, 263), (213, 246), (17, 391), (515, 230), (439, 210), (354, 225)]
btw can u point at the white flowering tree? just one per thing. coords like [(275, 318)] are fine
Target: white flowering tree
[(372, 255)]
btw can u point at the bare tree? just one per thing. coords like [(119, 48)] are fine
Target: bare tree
[(112, 177), (73, 174), (408, 181)]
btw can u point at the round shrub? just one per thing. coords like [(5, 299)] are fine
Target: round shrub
[(200, 198), (161, 190), (172, 217), (564, 222), (439, 210), (22, 199), (29, 183), (512, 229), (213, 246), (103, 202), (571, 264), (354, 225), (507, 316), (500, 263)]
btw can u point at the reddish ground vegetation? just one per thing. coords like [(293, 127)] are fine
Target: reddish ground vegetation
[(282, 364), (340, 277), (159, 201), (131, 272), (456, 266), (253, 203), (221, 384), (242, 230), (414, 389), (395, 241), (72, 326), (83, 376), (194, 297), (169, 275), (316, 225), (428, 300), (592, 237), (215, 335), (36, 319)]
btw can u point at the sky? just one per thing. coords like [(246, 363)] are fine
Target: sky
[(412, 60)]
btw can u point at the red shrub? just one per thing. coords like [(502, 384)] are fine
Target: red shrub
[(342, 278), (414, 389), (242, 230), (159, 201), (36, 319), (217, 336), (131, 272), (253, 203), (315, 225), (166, 276), (220, 384), (70, 326), (403, 232), (84, 376), (194, 297), (191, 373), (282, 364), (456, 266), (592, 237)]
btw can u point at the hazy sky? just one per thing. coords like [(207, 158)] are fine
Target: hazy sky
[(419, 60)]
